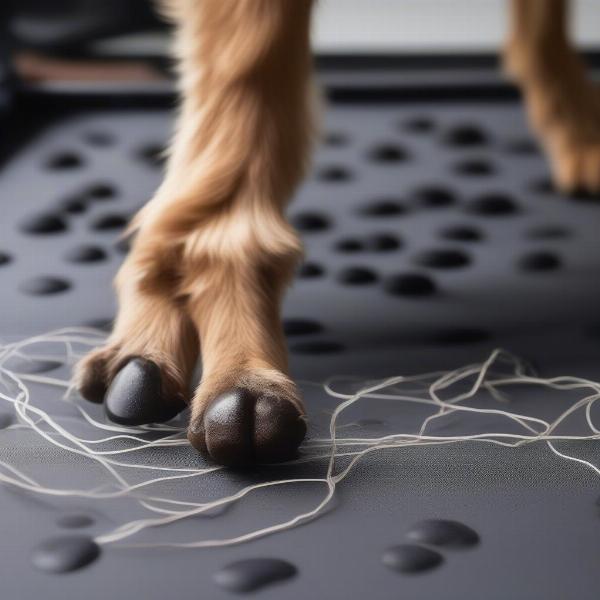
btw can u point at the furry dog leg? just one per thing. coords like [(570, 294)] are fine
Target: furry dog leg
[(213, 251), (562, 103), (246, 129)]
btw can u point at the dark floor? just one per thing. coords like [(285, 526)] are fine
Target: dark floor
[(457, 194)]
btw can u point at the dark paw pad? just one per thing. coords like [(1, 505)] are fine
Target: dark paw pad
[(136, 396), (241, 427)]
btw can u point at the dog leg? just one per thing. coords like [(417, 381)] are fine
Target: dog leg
[(153, 332), (213, 248), (562, 103)]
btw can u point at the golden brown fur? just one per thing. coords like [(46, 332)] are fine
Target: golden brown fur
[(562, 102), (213, 252)]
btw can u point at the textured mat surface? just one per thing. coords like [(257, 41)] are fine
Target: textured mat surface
[(432, 236)]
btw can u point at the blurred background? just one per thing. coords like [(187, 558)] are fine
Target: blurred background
[(130, 27), (429, 25)]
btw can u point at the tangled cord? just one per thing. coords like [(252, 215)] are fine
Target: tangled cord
[(500, 371)]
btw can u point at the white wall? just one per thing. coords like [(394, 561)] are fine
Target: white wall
[(428, 25)]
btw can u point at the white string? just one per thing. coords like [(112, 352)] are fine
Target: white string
[(436, 390)]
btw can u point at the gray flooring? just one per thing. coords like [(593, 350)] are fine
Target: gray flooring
[(536, 515)]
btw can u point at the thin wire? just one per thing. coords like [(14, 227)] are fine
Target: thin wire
[(498, 372)]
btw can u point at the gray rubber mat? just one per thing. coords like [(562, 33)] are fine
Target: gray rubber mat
[(432, 236)]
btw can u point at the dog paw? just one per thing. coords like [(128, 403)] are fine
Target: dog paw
[(136, 390), (576, 167), (246, 424)]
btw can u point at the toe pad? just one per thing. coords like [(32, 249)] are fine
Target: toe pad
[(135, 396), (240, 427)]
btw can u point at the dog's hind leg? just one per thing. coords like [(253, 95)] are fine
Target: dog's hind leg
[(562, 103)]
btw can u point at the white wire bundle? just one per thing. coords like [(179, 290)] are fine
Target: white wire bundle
[(427, 389)]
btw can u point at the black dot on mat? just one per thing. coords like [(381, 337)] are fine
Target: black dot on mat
[(382, 242), (44, 286), (474, 167), (99, 139), (540, 260), (418, 124), (388, 153), (548, 232), (30, 366), (334, 174), (310, 270), (410, 284), (522, 146), (64, 160), (44, 224), (85, 254), (434, 197), (465, 135), (335, 139), (5, 258), (310, 221), (443, 258), (349, 245), (317, 347), (153, 155), (493, 205), (409, 558), (460, 335), (356, 276), (123, 245), (6, 419), (101, 191), (109, 222), (74, 521), (462, 233), (293, 327), (103, 324), (74, 206), (442, 532), (544, 186), (252, 574), (383, 207), (65, 553)]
